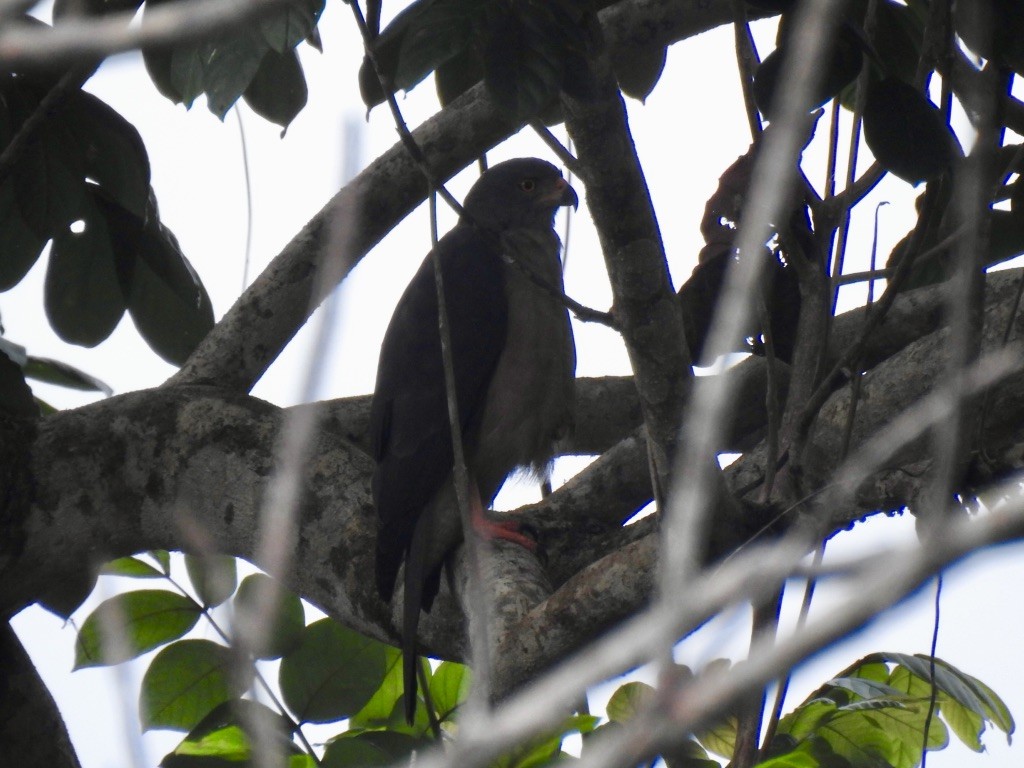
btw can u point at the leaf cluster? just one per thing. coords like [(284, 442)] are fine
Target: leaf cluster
[(326, 674)]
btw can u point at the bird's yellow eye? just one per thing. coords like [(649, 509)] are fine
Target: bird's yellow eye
[(527, 185)]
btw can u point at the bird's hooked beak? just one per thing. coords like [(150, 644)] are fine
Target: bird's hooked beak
[(562, 194)]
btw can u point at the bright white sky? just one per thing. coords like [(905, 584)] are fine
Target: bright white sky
[(690, 130)]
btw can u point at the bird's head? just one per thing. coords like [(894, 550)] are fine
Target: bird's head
[(524, 192)]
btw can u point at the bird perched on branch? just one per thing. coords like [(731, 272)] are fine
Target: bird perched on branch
[(514, 364)]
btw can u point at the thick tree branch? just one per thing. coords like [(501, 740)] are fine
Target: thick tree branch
[(177, 461)]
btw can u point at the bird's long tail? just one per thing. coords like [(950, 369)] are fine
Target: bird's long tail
[(412, 603)]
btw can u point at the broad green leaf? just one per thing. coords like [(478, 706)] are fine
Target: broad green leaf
[(811, 753), (185, 70), (283, 632), (63, 375), (163, 558), (20, 245), (185, 682), (83, 296), (148, 618), (131, 567), (441, 31), (278, 90), (159, 62), (213, 577), (228, 66), (458, 74), (225, 733), (807, 718), (287, 27), (332, 674), (628, 700), (449, 686), (689, 754), (906, 132), (891, 734), (720, 739), (967, 725), (379, 708), (167, 302), (49, 179), (113, 154), (371, 749), (945, 680), (872, 670), (522, 68), (995, 708)]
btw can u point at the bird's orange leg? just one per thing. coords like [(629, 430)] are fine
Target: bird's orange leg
[(488, 529)]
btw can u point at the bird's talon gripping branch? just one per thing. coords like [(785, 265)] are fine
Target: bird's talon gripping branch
[(505, 530)]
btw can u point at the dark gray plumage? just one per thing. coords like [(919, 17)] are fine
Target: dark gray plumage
[(514, 362)]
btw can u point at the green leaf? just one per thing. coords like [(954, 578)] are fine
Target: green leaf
[(371, 749), (83, 297), (441, 31), (813, 753), (185, 70), (449, 686), (807, 718), (890, 734), (49, 178), (906, 132), (113, 153), (64, 375), (945, 680), (159, 62), (522, 66), (163, 558), (995, 708), (721, 738), (628, 700), (148, 619), (967, 725), (20, 246), (226, 733), (278, 90), (458, 74), (185, 682), (213, 577), (689, 754), (286, 28), (285, 630), (639, 70), (228, 65), (381, 706), (131, 567), (332, 674), (167, 301)]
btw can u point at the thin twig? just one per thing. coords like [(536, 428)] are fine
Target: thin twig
[(933, 697), (248, 198), (568, 159), (746, 61), (404, 134)]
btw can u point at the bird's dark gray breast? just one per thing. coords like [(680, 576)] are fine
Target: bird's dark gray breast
[(530, 400)]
